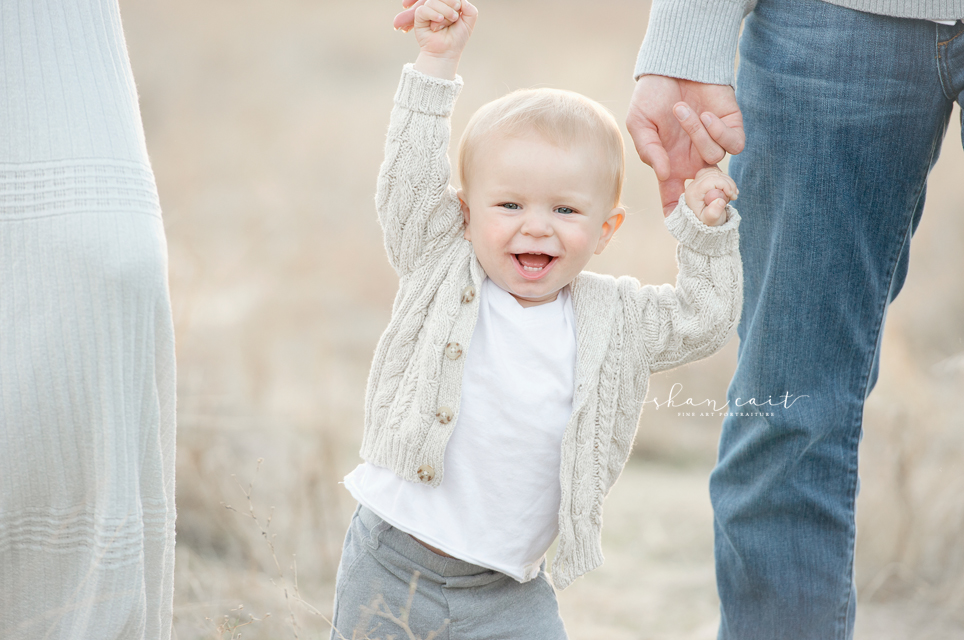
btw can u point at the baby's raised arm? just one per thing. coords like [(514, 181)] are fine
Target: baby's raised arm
[(419, 211)]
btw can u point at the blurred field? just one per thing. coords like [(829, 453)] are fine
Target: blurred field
[(265, 122)]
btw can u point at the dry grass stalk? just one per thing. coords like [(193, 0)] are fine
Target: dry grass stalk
[(377, 608), (230, 625)]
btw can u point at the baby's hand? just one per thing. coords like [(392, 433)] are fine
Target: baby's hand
[(442, 29), (708, 193)]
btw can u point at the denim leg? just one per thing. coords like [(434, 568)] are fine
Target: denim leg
[(950, 52), (844, 113)]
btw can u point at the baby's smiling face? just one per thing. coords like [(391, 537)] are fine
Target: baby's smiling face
[(536, 212)]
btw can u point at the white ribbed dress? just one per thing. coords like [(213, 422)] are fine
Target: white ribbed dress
[(86, 338)]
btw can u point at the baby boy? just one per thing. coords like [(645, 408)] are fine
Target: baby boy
[(504, 395)]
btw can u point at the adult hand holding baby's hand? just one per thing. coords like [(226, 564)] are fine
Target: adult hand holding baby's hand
[(708, 193), (442, 29), (680, 126)]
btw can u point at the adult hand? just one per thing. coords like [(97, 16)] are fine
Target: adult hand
[(680, 127)]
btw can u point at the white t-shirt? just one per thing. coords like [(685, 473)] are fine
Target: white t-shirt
[(498, 503)]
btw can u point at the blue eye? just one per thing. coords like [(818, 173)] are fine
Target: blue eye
[(510, 205), (565, 210)]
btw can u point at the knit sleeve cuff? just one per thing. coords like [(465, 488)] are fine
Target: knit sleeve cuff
[(693, 39), (427, 94), (710, 241)]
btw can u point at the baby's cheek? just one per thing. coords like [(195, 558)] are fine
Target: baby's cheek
[(583, 245), (486, 240), (488, 247)]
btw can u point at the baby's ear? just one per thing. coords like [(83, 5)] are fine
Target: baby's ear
[(613, 221), (465, 213)]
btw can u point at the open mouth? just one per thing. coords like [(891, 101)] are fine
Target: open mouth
[(533, 265)]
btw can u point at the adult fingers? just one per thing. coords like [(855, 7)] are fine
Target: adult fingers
[(405, 20), (732, 139), (669, 193), (709, 150), (649, 146)]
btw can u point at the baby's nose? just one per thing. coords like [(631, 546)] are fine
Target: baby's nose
[(537, 224)]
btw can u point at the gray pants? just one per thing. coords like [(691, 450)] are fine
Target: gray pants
[(387, 581)]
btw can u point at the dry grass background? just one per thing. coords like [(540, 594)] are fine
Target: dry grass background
[(265, 121)]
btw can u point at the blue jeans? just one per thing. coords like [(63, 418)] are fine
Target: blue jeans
[(844, 113)]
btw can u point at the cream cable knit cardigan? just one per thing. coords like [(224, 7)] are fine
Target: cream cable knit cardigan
[(624, 331)]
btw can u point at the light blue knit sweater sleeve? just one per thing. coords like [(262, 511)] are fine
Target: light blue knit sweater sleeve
[(697, 39), (418, 209), (693, 39)]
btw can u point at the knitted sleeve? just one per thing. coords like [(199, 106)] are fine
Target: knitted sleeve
[(693, 39), (696, 317), (418, 210)]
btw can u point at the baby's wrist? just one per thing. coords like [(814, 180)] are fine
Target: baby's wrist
[(693, 202), (437, 66)]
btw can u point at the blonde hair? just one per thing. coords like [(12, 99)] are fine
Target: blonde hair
[(560, 117)]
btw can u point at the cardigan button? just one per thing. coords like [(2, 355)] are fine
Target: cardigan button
[(468, 294), (444, 415), (426, 473), (453, 351)]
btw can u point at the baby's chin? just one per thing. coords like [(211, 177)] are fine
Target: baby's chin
[(533, 299)]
